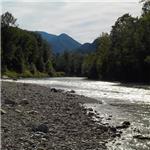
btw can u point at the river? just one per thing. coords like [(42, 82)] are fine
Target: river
[(119, 103)]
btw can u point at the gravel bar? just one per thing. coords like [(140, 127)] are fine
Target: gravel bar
[(35, 117)]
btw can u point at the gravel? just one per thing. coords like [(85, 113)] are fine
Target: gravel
[(34, 117)]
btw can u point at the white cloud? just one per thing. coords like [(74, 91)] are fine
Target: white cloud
[(82, 21)]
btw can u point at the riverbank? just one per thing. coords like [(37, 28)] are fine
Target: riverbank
[(36, 117), (27, 74)]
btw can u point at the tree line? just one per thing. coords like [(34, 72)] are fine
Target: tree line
[(23, 52), (122, 55)]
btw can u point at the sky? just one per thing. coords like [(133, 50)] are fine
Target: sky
[(84, 20)]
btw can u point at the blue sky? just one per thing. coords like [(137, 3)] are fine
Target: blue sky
[(84, 20)]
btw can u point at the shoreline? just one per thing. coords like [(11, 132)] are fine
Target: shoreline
[(38, 117)]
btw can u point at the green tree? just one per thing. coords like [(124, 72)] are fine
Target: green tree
[(146, 7), (7, 19)]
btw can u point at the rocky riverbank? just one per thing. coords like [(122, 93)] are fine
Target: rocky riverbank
[(40, 118)]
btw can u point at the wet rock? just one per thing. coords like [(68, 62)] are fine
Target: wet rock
[(90, 109), (24, 102), (2, 111), (90, 114), (124, 125), (113, 129), (15, 79), (54, 90), (98, 117), (40, 128), (141, 137), (108, 119), (72, 91)]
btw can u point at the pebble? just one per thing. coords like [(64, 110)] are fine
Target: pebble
[(41, 128), (2, 111), (17, 110), (32, 112), (60, 122), (24, 102)]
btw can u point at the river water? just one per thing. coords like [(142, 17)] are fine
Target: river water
[(119, 103)]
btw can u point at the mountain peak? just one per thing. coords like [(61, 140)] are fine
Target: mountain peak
[(63, 34), (61, 43)]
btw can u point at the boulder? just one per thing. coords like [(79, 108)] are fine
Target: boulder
[(54, 90), (40, 128), (126, 124), (72, 91)]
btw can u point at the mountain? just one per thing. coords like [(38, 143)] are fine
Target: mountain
[(60, 43), (88, 47)]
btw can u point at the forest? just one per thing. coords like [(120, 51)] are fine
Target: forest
[(23, 53), (124, 54), (121, 55)]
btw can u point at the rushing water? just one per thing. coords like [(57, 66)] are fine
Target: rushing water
[(120, 103)]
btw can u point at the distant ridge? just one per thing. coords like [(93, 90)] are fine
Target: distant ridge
[(60, 43), (88, 47)]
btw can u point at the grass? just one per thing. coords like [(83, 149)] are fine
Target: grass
[(25, 74)]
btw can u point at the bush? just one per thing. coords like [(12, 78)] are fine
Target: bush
[(10, 74), (59, 74)]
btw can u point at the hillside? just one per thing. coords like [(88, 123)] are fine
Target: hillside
[(60, 43)]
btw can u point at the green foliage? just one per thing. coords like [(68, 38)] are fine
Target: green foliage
[(23, 52), (68, 62), (25, 74), (49, 68), (33, 69), (59, 74), (8, 20), (147, 60), (146, 7), (11, 74), (124, 54)]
